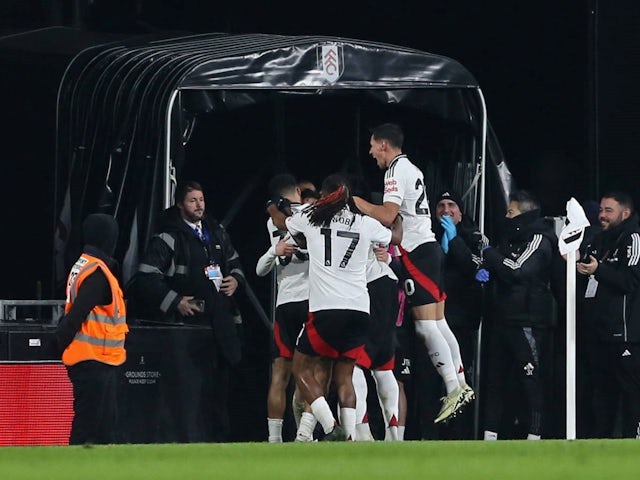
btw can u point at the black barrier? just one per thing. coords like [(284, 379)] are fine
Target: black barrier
[(168, 390)]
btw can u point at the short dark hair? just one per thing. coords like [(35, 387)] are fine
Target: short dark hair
[(622, 198), (390, 132), (282, 184), (526, 200), (185, 187)]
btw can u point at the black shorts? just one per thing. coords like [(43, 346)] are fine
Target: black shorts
[(334, 334), (290, 317), (405, 351), (423, 274), (380, 347)]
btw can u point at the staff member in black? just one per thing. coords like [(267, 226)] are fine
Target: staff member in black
[(612, 310), (462, 243), (522, 310), (188, 274), (91, 334)]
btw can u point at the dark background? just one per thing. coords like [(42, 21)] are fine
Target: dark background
[(559, 78)]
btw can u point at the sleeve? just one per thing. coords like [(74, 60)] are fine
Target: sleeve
[(535, 258), (625, 276), (295, 224), (150, 286), (379, 233), (266, 262), (394, 184), (465, 253), (95, 290)]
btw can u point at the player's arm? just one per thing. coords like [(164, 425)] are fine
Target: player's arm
[(385, 213), (396, 230)]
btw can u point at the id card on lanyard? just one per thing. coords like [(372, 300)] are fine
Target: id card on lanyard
[(213, 273)]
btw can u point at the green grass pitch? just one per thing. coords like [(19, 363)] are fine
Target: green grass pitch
[(443, 460)]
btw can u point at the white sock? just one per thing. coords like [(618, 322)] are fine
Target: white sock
[(363, 432), (323, 414), (533, 436), (348, 422), (305, 430), (275, 430), (401, 433), (388, 393), (439, 352), (452, 341), (489, 435), (360, 387), (298, 407)]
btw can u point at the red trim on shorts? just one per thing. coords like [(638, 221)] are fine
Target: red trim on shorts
[(318, 344), (282, 348), (424, 281), (390, 365), (354, 353)]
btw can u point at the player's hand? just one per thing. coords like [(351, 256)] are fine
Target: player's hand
[(229, 285), (284, 249), (381, 253)]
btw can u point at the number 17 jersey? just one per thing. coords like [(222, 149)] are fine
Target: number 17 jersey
[(338, 258), (404, 186)]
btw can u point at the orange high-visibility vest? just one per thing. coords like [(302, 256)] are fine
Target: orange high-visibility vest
[(101, 335)]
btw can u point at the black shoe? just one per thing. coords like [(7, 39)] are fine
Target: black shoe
[(336, 435)]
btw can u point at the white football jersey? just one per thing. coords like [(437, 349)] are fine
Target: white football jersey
[(377, 269), (404, 186), (292, 274), (338, 258)]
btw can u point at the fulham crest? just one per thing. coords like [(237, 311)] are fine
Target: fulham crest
[(330, 61)]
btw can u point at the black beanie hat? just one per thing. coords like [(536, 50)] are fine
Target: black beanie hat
[(101, 231), (450, 195)]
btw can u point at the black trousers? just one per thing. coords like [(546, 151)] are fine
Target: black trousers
[(616, 389), (94, 402), (514, 361)]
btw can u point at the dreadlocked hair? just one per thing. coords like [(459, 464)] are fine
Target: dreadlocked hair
[(330, 204)]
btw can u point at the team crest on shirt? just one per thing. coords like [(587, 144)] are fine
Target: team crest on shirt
[(330, 61)]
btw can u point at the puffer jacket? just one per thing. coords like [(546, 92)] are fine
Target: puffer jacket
[(521, 268)]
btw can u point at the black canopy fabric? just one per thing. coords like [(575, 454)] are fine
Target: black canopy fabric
[(126, 106)]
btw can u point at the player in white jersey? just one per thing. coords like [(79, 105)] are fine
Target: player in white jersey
[(338, 241), (292, 305), (422, 260), (378, 356)]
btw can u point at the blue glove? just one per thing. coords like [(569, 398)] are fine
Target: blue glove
[(482, 275), (444, 241), (449, 227)]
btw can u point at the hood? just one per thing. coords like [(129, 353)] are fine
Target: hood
[(100, 231), (526, 224)]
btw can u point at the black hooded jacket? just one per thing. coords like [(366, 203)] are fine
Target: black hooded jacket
[(100, 233), (521, 267), (174, 265), (464, 293), (615, 309)]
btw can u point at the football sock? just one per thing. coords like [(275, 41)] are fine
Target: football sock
[(439, 352), (452, 341), (307, 425), (348, 422), (360, 387), (275, 430), (322, 412), (388, 393)]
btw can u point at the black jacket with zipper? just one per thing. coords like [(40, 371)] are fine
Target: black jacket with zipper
[(521, 267), (615, 309)]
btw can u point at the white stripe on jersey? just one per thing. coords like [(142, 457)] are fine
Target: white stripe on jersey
[(635, 250)]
